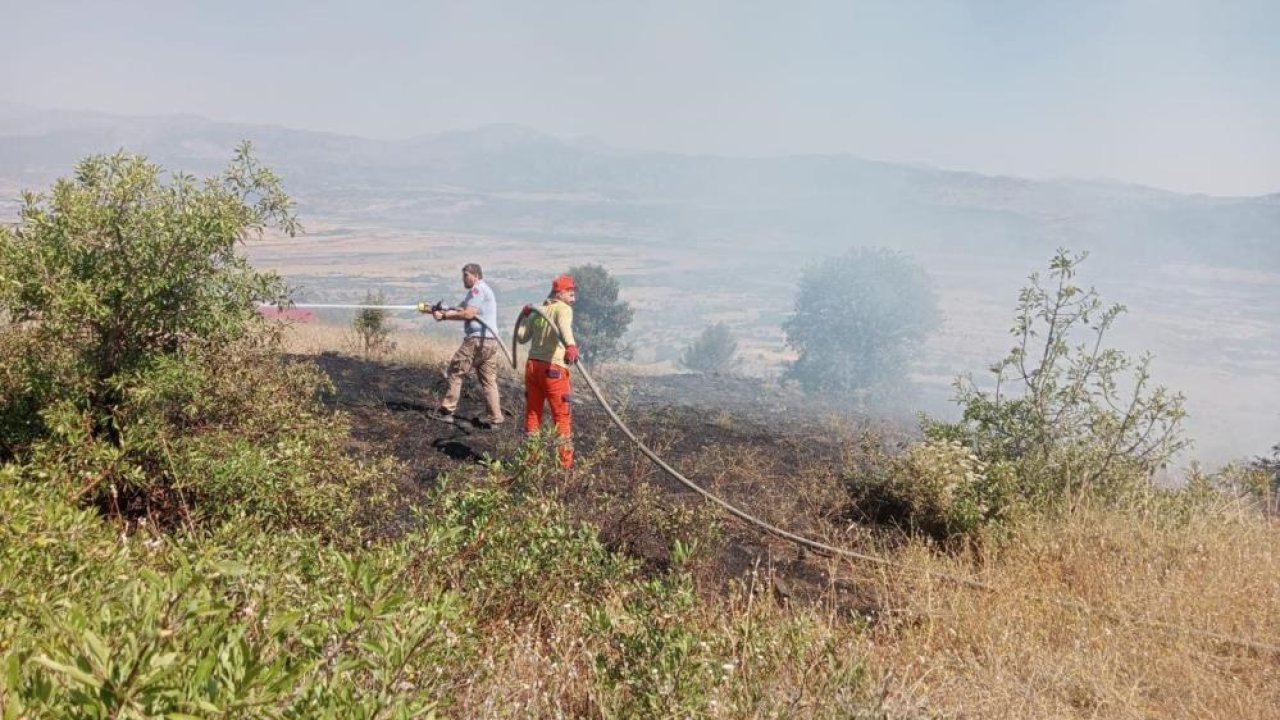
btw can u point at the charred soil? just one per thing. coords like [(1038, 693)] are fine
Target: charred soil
[(769, 451)]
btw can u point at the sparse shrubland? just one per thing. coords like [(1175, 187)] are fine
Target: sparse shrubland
[(188, 528)]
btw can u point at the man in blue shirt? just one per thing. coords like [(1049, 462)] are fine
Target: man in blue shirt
[(479, 349)]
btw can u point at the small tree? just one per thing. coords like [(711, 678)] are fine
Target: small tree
[(599, 318), (858, 321), (1066, 409), (115, 268), (135, 369), (715, 350), (370, 326)]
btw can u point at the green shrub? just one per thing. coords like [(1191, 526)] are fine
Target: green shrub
[(115, 267), (245, 623), (939, 487), (515, 555), (659, 664), (715, 350), (245, 620), (1072, 416), (213, 433), (141, 376)]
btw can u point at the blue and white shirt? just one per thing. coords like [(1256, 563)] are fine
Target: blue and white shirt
[(481, 297)]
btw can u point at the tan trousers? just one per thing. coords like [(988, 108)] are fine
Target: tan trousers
[(481, 356)]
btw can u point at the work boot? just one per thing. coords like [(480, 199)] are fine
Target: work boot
[(440, 414)]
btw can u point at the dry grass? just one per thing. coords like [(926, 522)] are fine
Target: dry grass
[(1101, 613), (410, 347), (1161, 581), (533, 670), (1015, 653), (760, 658)]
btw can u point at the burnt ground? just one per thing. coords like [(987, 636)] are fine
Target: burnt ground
[(767, 450)]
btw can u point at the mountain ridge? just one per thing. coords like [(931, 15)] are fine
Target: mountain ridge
[(508, 178), (509, 133)]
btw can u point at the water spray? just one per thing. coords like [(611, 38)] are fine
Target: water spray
[(421, 307), (339, 306)]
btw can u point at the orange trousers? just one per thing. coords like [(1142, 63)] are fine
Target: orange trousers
[(548, 384)]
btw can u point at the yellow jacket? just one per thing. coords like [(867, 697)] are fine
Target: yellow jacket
[(545, 345)]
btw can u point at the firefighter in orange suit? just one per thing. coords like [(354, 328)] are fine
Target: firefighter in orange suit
[(546, 372)]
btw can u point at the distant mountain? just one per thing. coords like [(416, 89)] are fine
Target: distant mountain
[(510, 179)]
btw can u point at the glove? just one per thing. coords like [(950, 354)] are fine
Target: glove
[(526, 311), (571, 354), (424, 307)]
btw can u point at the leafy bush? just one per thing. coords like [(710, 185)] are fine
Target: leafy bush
[(244, 620), (715, 350), (518, 557), (939, 487), (140, 375), (1071, 414), (241, 623), (114, 268), (600, 319), (1255, 482), (658, 666), (858, 319)]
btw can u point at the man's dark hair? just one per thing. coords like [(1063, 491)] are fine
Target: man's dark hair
[(474, 269)]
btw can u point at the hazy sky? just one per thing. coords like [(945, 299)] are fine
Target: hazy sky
[(1180, 94)]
